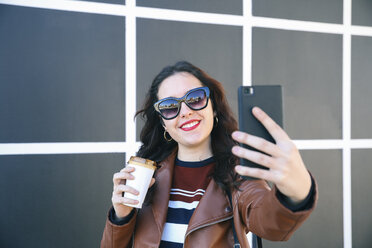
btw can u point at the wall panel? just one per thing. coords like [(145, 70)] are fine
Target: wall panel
[(55, 200), (62, 76), (309, 68)]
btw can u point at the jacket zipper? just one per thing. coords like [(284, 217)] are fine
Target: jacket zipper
[(209, 224)]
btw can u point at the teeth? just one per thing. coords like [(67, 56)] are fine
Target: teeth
[(191, 124)]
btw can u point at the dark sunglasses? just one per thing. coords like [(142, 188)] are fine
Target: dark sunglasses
[(195, 99)]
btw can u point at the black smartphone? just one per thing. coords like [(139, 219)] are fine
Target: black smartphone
[(269, 99)]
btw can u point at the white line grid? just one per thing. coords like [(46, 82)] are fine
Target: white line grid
[(247, 21), (130, 9)]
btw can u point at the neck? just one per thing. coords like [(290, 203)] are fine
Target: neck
[(195, 153)]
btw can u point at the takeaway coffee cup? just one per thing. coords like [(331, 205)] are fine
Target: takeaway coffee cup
[(144, 170)]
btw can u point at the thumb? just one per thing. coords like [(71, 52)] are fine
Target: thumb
[(152, 182)]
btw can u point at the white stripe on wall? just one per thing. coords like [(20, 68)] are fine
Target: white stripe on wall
[(247, 43), (66, 148), (130, 78), (346, 124), (121, 147)]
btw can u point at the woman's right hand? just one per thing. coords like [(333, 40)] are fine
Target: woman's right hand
[(118, 200)]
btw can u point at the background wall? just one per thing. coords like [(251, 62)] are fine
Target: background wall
[(73, 73)]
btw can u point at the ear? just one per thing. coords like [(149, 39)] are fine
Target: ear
[(214, 113)]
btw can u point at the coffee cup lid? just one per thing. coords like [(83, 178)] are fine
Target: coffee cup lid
[(142, 162)]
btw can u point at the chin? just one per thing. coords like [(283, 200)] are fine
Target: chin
[(194, 142)]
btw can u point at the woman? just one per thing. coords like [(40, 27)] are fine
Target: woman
[(191, 132)]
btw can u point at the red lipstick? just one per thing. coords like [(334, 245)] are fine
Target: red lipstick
[(187, 127)]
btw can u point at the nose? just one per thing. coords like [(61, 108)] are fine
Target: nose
[(185, 110)]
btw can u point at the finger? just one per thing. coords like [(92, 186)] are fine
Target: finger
[(123, 200), (257, 142), (119, 189), (118, 177), (256, 157), (272, 127), (255, 172), (152, 182), (128, 169)]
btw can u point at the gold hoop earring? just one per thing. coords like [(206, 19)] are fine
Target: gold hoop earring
[(165, 136), (216, 121)]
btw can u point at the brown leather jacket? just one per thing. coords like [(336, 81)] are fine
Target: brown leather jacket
[(255, 208)]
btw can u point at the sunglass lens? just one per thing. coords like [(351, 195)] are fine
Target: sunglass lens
[(197, 99), (169, 108)]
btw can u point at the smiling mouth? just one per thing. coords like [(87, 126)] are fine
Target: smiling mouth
[(190, 125)]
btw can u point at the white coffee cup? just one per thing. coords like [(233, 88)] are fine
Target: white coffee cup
[(144, 170)]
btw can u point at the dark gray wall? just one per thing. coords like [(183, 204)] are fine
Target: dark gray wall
[(362, 200), (62, 76), (361, 87), (362, 12), (309, 67), (55, 200), (326, 168), (315, 10), (62, 79)]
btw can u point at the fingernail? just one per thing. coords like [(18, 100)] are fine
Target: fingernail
[(256, 110), (235, 149), (236, 134), (238, 168)]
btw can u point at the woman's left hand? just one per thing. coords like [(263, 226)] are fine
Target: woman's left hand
[(283, 160)]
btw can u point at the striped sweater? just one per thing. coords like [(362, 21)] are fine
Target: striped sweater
[(190, 180)]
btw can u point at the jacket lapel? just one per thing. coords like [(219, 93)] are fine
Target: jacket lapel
[(151, 218), (161, 195), (213, 207)]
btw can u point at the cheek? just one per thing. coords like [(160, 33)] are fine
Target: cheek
[(210, 115), (169, 124)]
